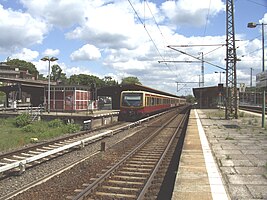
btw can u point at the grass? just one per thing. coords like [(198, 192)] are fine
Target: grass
[(229, 138), (241, 114), (12, 137), (218, 114)]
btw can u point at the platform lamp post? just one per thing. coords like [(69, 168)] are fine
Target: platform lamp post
[(47, 58), (253, 25), (220, 90), (220, 75)]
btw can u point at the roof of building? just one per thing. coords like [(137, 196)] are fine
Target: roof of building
[(206, 91), (111, 90)]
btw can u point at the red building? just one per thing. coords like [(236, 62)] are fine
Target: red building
[(69, 98)]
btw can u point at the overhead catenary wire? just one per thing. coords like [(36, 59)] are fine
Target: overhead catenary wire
[(207, 20), (258, 3), (164, 39), (141, 21), (182, 52)]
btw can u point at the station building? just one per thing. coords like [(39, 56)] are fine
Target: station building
[(66, 98), (212, 97)]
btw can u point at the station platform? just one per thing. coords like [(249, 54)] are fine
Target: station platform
[(88, 119), (222, 159)]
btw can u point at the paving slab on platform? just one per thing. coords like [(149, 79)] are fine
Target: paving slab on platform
[(240, 150)]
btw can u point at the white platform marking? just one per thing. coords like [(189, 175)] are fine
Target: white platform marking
[(215, 179)]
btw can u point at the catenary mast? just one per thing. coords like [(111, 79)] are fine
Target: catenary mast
[(231, 89)]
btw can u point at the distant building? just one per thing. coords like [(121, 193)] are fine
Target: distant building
[(8, 71), (67, 98)]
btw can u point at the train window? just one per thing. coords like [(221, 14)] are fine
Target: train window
[(148, 101), (132, 99)]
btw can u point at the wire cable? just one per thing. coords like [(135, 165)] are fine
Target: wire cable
[(141, 21), (207, 20), (257, 3)]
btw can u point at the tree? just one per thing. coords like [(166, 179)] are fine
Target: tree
[(190, 99), (42, 77), (109, 82), (130, 80), (87, 80), (56, 74), (22, 64)]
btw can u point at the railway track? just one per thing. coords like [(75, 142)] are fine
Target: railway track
[(17, 161), (140, 172), (254, 109), (17, 188)]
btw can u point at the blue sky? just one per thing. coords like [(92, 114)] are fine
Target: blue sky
[(106, 38)]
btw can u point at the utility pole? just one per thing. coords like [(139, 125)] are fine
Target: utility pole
[(231, 89), (251, 77), (202, 69)]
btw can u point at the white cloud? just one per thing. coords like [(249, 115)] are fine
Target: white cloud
[(60, 13), (51, 52), (191, 12), (264, 19), (117, 39), (87, 52), (19, 30), (110, 26), (25, 54)]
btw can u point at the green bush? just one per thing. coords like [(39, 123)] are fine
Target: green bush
[(28, 128), (23, 120), (56, 123), (241, 114), (72, 128)]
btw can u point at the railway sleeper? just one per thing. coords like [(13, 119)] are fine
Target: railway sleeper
[(139, 165), (152, 154), (114, 195), (129, 173), (132, 178), (123, 183), (124, 189), (151, 151), (110, 190), (132, 173), (136, 169), (142, 162), (144, 158)]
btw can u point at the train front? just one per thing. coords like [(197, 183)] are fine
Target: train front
[(131, 105)]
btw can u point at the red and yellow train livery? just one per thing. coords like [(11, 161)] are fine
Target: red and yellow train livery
[(135, 105)]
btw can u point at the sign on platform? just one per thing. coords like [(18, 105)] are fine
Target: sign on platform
[(242, 87), (261, 79)]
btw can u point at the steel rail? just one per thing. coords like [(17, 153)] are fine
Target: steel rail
[(153, 174), (102, 178), (21, 164)]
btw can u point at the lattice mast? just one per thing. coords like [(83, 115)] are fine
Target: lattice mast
[(231, 89)]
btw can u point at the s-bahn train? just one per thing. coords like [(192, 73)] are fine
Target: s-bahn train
[(135, 105)]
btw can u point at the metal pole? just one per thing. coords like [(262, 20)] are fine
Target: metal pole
[(48, 109), (202, 69), (251, 77), (263, 69)]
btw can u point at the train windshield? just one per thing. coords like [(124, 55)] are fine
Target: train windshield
[(132, 99)]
